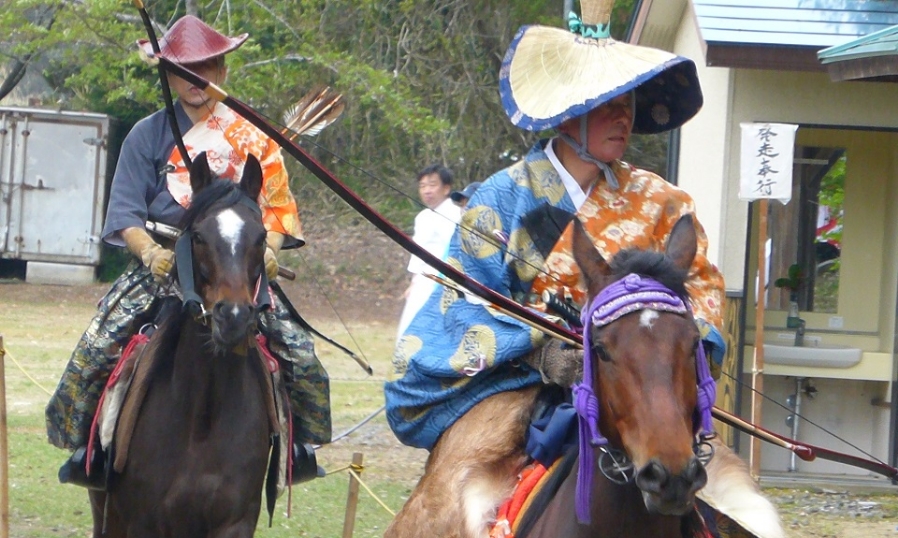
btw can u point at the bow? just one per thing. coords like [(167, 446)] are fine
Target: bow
[(460, 280), (163, 80)]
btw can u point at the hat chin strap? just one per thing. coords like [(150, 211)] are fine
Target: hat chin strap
[(584, 155)]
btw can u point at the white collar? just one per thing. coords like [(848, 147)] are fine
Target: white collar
[(570, 184)]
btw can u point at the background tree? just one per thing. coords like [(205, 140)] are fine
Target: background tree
[(420, 77)]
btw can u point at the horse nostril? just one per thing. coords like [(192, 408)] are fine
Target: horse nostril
[(652, 477), (695, 473)]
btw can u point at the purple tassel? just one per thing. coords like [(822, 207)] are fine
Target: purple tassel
[(707, 390)]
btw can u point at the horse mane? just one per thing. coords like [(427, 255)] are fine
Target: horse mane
[(169, 321), (655, 265), (219, 192)]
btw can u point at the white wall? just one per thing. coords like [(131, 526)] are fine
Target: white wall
[(802, 98), (704, 147)]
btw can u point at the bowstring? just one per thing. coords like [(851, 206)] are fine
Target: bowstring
[(798, 416)]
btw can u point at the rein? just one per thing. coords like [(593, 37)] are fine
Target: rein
[(630, 294)]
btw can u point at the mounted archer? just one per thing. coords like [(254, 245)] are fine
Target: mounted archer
[(458, 359), (152, 183)]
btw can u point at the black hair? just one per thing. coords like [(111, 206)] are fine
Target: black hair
[(444, 173), (219, 192), (652, 264)]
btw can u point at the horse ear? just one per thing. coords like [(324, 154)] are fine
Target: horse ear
[(594, 268), (251, 182), (200, 175), (682, 243)]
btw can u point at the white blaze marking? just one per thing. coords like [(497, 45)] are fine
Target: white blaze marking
[(647, 318), (229, 226)]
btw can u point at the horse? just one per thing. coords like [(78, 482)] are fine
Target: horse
[(643, 369), (199, 451)]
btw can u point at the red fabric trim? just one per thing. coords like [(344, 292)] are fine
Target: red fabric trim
[(511, 508), (266, 353), (135, 341)]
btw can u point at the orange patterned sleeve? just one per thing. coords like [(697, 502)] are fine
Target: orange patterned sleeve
[(705, 283), (279, 211)]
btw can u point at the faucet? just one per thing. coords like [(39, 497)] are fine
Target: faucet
[(799, 333)]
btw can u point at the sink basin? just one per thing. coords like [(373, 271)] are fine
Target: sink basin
[(818, 357)]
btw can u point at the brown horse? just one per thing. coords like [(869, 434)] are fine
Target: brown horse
[(645, 377), (197, 458)]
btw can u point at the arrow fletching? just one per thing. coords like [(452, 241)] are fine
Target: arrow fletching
[(317, 109)]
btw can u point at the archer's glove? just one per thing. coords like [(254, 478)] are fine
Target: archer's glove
[(557, 363), (157, 259)]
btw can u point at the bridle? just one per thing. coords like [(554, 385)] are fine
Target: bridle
[(632, 293), (192, 302)]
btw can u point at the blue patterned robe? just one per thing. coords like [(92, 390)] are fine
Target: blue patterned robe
[(456, 352)]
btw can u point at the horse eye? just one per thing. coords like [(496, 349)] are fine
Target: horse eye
[(197, 239), (598, 350)]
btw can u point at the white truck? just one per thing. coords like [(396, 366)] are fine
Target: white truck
[(55, 169)]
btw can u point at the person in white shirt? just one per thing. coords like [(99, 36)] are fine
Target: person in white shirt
[(434, 227)]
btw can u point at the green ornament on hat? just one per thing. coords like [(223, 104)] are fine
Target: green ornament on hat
[(550, 75)]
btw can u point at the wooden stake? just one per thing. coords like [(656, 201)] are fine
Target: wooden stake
[(352, 499), (757, 369), (4, 450)]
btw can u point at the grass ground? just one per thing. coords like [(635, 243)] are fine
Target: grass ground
[(39, 333), (41, 324)]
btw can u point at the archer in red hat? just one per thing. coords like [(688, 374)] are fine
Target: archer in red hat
[(152, 185)]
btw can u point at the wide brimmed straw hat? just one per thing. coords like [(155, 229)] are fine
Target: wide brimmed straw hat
[(191, 41), (550, 75)]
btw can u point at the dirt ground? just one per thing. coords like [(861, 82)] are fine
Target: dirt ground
[(358, 275)]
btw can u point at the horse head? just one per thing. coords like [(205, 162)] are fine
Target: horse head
[(642, 353), (224, 261)]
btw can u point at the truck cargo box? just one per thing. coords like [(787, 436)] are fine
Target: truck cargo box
[(54, 173)]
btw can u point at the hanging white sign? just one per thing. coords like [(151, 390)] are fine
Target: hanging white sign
[(766, 161)]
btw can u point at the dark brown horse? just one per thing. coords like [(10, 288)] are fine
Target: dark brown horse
[(643, 375), (197, 458)]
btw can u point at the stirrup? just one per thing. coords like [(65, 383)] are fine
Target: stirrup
[(74, 470), (305, 464)]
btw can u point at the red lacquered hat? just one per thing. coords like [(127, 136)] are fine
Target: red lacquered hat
[(191, 41)]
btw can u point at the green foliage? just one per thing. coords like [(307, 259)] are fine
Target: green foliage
[(420, 78)]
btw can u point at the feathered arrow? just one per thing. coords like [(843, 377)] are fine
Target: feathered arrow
[(315, 111)]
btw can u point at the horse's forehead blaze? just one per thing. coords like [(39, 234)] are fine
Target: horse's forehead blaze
[(230, 227), (647, 318)]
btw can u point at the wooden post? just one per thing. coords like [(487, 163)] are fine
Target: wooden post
[(4, 450), (757, 369), (352, 499)]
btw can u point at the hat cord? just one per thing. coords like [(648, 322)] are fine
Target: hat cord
[(584, 155)]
